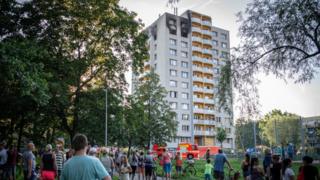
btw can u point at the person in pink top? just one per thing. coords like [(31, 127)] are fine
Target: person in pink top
[(166, 164)]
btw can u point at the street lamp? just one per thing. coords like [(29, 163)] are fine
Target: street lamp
[(106, 120)]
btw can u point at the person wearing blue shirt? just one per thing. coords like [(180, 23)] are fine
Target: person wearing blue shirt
[(219, 161), (81, 166)]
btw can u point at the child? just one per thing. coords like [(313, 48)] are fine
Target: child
[(208, 170), (178, 164)]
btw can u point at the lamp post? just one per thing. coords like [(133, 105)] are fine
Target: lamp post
[(106, 120)]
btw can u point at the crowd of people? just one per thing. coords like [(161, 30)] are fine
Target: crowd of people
[(83, 162)]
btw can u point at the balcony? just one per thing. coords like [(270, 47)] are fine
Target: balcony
[(196, 99), (215, 62), (204, 133), (208, 90), (198, 110), (215, 81), (207, 80), (207, 51), (196, 58), (215, 90), (197, 20), (207, 32), (204, 122), (208, 61), (196, 78), (196, 88), (206, 22), (207, 41), (195, 48), (197, 39), (208, 101), (196, 29), (197, 68), (208, 70), (209, 111)]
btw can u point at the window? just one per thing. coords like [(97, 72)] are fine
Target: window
[(185, 128), (155, 46), (218, 119), (173, 105), (184, 64), (173, 62), (173, 94), (214, 42), (173, 83), (224, 36), (185, 95), (173, 52), (214, 33), (184, 74), (185, 85), (224, 45), (185, 106), (185, 139), (173, 72), (185, 117), (155, 66), (155, 56), (224, 54), (184, 44), (173, 41), (215, 52), (184, 54)]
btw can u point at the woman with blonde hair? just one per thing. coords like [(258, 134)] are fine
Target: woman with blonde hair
[(48, 166), (125, 168)]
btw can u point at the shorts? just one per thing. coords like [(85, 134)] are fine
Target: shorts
[(178, 168), (218, 175), (148, 170), (207, 176), (167, 168), (48, 175)]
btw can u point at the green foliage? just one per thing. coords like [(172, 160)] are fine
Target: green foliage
[(280, 128), (221, 135), (156, 117)]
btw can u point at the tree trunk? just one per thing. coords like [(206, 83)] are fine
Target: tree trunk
[(20, 134)]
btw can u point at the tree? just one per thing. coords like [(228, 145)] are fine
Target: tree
[(221, 135), (278, 37), (280, 128), (157, 119)]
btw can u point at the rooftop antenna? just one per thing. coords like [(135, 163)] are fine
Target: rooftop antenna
[(173, 4)]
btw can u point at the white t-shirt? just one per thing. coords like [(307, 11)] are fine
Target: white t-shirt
[(287, 174)]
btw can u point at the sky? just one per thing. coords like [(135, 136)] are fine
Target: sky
[(301, 99)]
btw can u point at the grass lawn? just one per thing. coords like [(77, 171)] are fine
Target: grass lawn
[(235, 163)]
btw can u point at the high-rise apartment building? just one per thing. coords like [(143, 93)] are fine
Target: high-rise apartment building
[(187, 52)]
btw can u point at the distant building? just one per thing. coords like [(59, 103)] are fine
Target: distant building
[(187, 53), (311, 133)]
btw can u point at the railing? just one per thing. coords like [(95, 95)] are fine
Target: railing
[(195, 48), (197, 20), (196, 29)]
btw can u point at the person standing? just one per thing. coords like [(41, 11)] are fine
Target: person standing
[(207, 155), (275, 168), (81, 166), (133, 164), (12, 162), (208, 170), (3, 159), (287, 172), (141, 165), (48, 166), (308, 171), (107, 162), (29, 163), (166, 164), (256, 171), (245, 166), (125, 168), (148, 165), (59, 159), (219, 161), (267, 162), (178, 159)]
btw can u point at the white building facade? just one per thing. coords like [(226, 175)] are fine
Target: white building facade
[(187, 53)]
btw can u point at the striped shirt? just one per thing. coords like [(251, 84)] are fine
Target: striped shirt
[(60, 160)]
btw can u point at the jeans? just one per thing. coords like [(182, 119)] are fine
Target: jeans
[(207, 177)]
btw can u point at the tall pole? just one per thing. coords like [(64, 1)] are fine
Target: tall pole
[(275, 132), (106, 122), (254, 135), (302, 137)]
